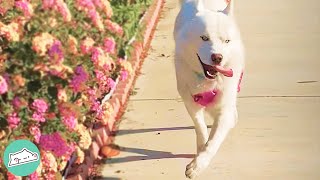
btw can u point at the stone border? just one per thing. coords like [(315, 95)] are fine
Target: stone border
[(103, 135)]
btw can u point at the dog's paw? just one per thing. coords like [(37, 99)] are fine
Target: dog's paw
[(196, 166)]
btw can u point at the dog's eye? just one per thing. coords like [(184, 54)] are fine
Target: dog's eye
[(204, 38), (227, 41)]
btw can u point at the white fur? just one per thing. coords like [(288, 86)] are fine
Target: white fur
[(197, 18)]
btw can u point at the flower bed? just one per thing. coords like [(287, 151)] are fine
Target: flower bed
[(59, 59)]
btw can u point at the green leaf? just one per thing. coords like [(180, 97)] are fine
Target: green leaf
[(52, 92), (34, 86)]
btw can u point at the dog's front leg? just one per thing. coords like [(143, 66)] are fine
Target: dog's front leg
[(220, 129), (196, 113)]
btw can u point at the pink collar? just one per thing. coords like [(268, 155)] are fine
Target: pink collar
[(208, 97)]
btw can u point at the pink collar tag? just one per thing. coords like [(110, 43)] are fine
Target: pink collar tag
[(208, 97), (205, 98)]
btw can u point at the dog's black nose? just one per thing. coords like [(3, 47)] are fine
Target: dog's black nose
[(217, 58)]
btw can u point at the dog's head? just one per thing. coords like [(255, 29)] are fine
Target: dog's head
[(209, 41)]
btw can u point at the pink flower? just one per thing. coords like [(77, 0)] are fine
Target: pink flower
[(34, 176), (95, 106), (3, 85), (64, 10), (109, 45), (111, 83), (62, 94), (105, 6), (86, 45), (68, 116), (13, 120), (84, 5), (88, 7), (42, 42), (49, 164), (47, 4), (78, 81), (96, 19), (56, 144), (105, 112), (40, 106), (101, 59), (98, 3), (123, 75), (55, 52), (25, 7), (35, 131), (59, 6), (105, 83), (126, 66), (16, 102), (96, 55), (70, 120), (114, 27), (13, 177), (39, 117)]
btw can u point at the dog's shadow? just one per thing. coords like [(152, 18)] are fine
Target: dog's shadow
[(147, 154)]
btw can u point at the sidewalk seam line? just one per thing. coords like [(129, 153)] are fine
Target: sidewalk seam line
[(240, 97)]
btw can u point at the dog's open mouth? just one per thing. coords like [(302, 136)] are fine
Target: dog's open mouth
[(211, 71)]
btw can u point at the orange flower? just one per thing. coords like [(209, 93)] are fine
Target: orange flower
[(126, 65), (107, 112), (2, 134), (107, 8), (99, 24), (85, 138), (62, 94), (73, 43), (18, 80), (42, 42), (3, 58), (60, 70), (101, 59), (10, 32), (80, 155), (48, 161), (52, 22), (25, 7), (63, 163), (62, 7), (5, 5), (87, 45), (79, 102)]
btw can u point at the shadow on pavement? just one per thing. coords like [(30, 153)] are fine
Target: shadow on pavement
[(136, 131), (145, 155), (106, 178)]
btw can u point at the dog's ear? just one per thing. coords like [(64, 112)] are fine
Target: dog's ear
[(227, 11)]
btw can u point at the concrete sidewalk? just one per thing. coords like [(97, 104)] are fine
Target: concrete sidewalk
[(277, 136)]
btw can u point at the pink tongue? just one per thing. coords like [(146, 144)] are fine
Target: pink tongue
[(224, 71)]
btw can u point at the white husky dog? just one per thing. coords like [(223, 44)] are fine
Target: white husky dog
[(209, 61)]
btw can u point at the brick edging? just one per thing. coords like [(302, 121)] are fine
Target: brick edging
[(104, 134)]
